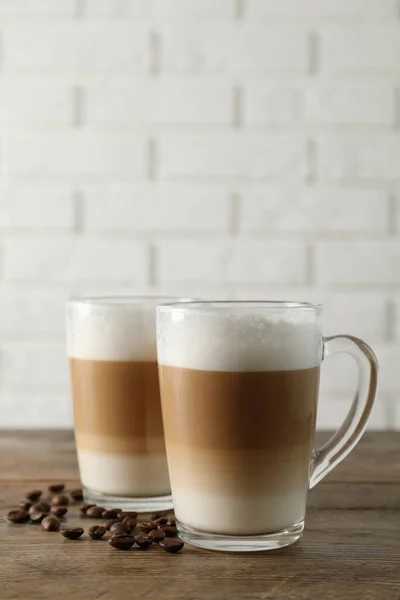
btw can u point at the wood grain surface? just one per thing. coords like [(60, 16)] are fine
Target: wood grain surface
[(350, 550)]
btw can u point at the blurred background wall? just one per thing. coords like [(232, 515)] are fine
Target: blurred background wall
[(220, 148)]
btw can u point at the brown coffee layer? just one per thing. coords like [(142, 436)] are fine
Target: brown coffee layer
[(239, 411), (117, 405), (120, 444), (239, 473)]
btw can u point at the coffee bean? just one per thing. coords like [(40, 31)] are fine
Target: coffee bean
[(169, 531), (38, 517), (73, 533), (40, 507), (18, 516), (129, 522), (147, 527), (119, 528), (157, 535), (25, 504), (171, 546), (84, 507), (96, 532), (143, 541), (95, 512), (155, 516), (110, 522), (34, 495), (160, 521), (76, 495), (111, 513), (56, 488), (60, 500), (51, 523), (59, 511), (127, 513), (121, 542), (171, 520)]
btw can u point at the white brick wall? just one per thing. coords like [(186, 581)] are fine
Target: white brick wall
[(238, 148), (232, 156), (152, 208)]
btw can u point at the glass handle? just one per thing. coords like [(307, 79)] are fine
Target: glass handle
[(347, 436)]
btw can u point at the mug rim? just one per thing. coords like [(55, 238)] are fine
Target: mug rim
[(239, 305), (118, 300)]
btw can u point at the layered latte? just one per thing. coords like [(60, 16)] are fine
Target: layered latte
[(115, 389), (239, 400)]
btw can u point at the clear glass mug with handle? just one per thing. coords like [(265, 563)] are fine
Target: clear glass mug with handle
[(239, 390)]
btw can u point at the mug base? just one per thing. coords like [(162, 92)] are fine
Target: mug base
[(241, 543), (139, 504)]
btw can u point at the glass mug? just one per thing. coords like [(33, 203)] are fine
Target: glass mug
[(111, 345), (239, 388)]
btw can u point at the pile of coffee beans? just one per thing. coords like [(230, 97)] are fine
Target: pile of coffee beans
[(122, 528)]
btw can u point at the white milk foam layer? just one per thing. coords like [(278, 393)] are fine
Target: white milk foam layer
[(124, 474), (247, 515), (115, 333), (239, 341)]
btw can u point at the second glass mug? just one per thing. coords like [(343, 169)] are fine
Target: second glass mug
[(111, 344), (239, 388)]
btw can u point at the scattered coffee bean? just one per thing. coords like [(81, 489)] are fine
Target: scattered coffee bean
[(111, 513), (119, 528), (171, 520), (155, 516), (130, 523), (60, 500), (84, 507), (34, 495), (171, 546), (51, 523), (110, 522), (96, 532), (59, 511), (147, 527), (143, 541), (95, 512), (157, 535), (127, 513), (76, 495), (37, 517), (40, 507), (25, 504), (169, 530), (56, 488), (160, 521), (121, 541), (18, 516), (73, 533)]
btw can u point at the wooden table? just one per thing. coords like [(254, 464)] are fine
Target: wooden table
[(350, 550)]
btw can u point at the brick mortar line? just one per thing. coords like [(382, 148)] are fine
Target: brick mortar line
[(77, 105), (310, 275), (78, 226), (155, 52), (221, 235), (234, 217), (390, 321), (396, 123), (392, 214), (80, 9), (237, 107), (239, 10), (152, 265), (152, 160), (314, 53), (311, 162)]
